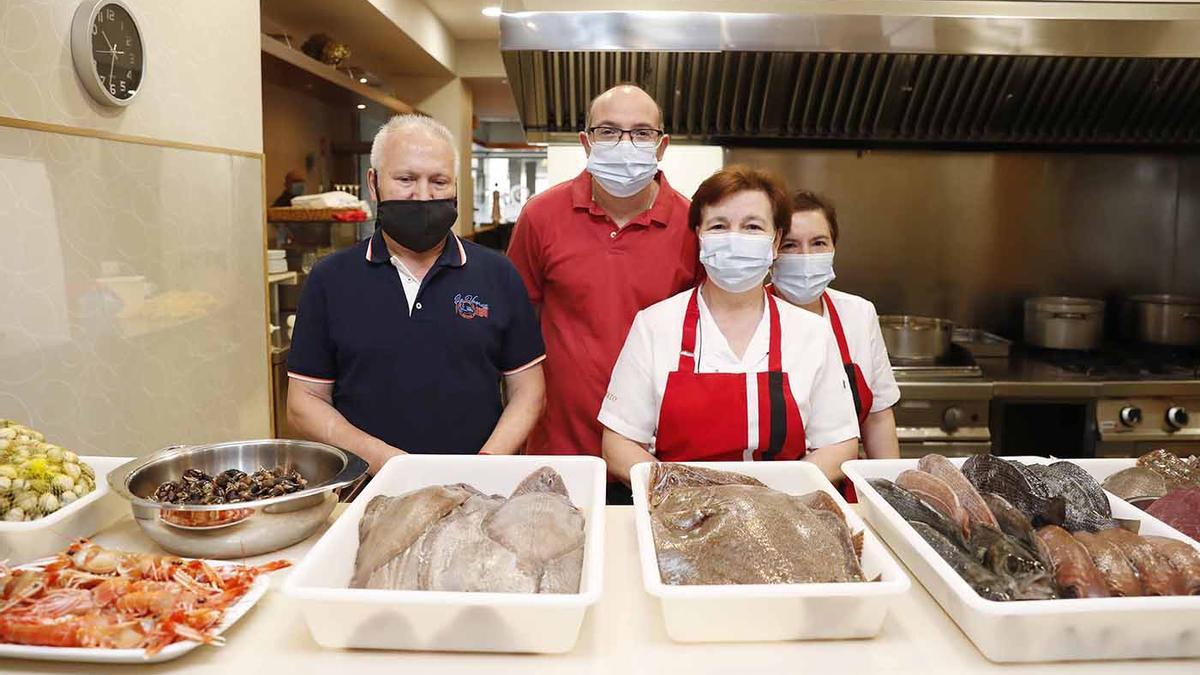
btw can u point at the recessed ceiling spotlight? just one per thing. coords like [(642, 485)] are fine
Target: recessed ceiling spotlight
[(362, 80), (362, 106), (492, 11)]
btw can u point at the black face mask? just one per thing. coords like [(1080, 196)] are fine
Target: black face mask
[(416, 224)]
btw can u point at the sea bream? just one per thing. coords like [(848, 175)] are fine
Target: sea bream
[(938, 494), (967, 495)]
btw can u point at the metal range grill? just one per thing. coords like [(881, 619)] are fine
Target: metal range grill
[(888, 97)]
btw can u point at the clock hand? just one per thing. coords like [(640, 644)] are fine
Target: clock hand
[(110, 44), (112, 61)]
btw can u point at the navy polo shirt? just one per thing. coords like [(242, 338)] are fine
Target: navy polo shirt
[(428, 382)]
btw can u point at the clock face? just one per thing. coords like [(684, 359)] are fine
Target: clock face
[(117, 53)]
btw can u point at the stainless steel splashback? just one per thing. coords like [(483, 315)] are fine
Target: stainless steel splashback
[(968, 236), (899, 72)]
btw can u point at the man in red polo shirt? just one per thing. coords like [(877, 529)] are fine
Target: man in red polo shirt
[(594, 251)]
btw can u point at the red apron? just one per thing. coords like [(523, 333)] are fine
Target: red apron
[(707, 416), (863, 398)]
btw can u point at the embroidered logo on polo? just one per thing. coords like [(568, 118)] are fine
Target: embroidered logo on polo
[(469, 307)]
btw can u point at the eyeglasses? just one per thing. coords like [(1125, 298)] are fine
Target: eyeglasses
[(609, 136)]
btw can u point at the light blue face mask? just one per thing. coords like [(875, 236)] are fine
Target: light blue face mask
[(736, 261), (802, 277)]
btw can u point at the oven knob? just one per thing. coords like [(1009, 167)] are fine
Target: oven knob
[(953, 418), (1131, 416), (1177, 417)]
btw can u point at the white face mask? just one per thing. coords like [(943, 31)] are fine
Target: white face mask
[(624, 169), (735, 261), (802, 278)]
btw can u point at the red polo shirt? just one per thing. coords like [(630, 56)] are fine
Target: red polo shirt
[(590, 279)]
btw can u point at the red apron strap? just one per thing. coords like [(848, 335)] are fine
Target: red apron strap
[(687, 346), (775, 352), (838, 332)]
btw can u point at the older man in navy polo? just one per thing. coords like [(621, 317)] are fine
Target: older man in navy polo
[(402, 341)]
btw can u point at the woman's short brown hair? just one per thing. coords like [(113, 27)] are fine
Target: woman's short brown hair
[(804, 201), (738, 178)]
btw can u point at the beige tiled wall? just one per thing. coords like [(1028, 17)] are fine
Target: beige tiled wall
[(173, 350)]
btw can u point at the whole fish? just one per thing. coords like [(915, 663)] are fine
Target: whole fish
[(666, 476), (747, 534), (1018, 485), (1085, 502), (1074, 572), (1008, 557), (935, 492), (1119, 574), (911, 508), (1183, 557), (967, 495), (986, 583), (1013, 521), (1155, 570), (1137, 483), (1177, 471)]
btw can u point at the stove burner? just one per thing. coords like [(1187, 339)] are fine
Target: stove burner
[(1136, 363)]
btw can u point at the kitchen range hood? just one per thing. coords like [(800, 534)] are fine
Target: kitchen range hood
[(868, 72)]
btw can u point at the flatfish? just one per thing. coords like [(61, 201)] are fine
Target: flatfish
[(1016, 484), (986, 583), (1135, 484), (1177, 471), (455, 538), (935, 492), (1086, 506), (1119, 574), (1007, 557), (1179, 508), (911, 508), (748, 534), (1155, 570), (1012, 520), (1074, 572), (967, 495), (665, 476), (1183, 557)]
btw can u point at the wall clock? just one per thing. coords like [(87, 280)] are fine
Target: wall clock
[(109, 54)]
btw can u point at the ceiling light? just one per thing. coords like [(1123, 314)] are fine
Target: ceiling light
[(362, 80), (362, 106), (492, 11)]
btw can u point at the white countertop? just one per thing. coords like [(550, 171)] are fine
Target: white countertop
[(622, 634)]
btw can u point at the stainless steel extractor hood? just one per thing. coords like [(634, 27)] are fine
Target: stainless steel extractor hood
[(869, 72)]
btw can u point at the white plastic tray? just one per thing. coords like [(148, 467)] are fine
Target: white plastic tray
[(769, 612), (171, 651), (341, 617), (1091, 629), (28, 541)]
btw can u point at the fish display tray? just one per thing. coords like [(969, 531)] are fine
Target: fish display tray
[(340, 617), (1086, 629), (136, 656), (772, 612), (27, 541)]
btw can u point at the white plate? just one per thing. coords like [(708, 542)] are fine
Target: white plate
[(171, 651), (763, 612), (24, 542), (1085, 629), (342, 618)]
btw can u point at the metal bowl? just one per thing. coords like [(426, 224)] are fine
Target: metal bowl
[(240, 529)]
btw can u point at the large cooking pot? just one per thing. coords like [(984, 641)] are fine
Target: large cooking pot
[(1062, 322), (915, 339), (1163, 319)]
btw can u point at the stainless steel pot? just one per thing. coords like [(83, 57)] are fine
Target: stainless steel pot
[(915, 339), (1062, 322), (244, 528), (1163, 319)]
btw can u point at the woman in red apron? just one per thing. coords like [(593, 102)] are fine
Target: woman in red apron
[(703, 375), (801, 276)]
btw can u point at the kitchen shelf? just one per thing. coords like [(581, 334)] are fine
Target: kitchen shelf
[(332, 75), (290, 278)]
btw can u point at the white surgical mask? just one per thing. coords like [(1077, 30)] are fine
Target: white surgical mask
[(624, 169), (736, 261), (802, 277)]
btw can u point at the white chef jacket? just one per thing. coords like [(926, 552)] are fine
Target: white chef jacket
[(860, 322), (651, 353)]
